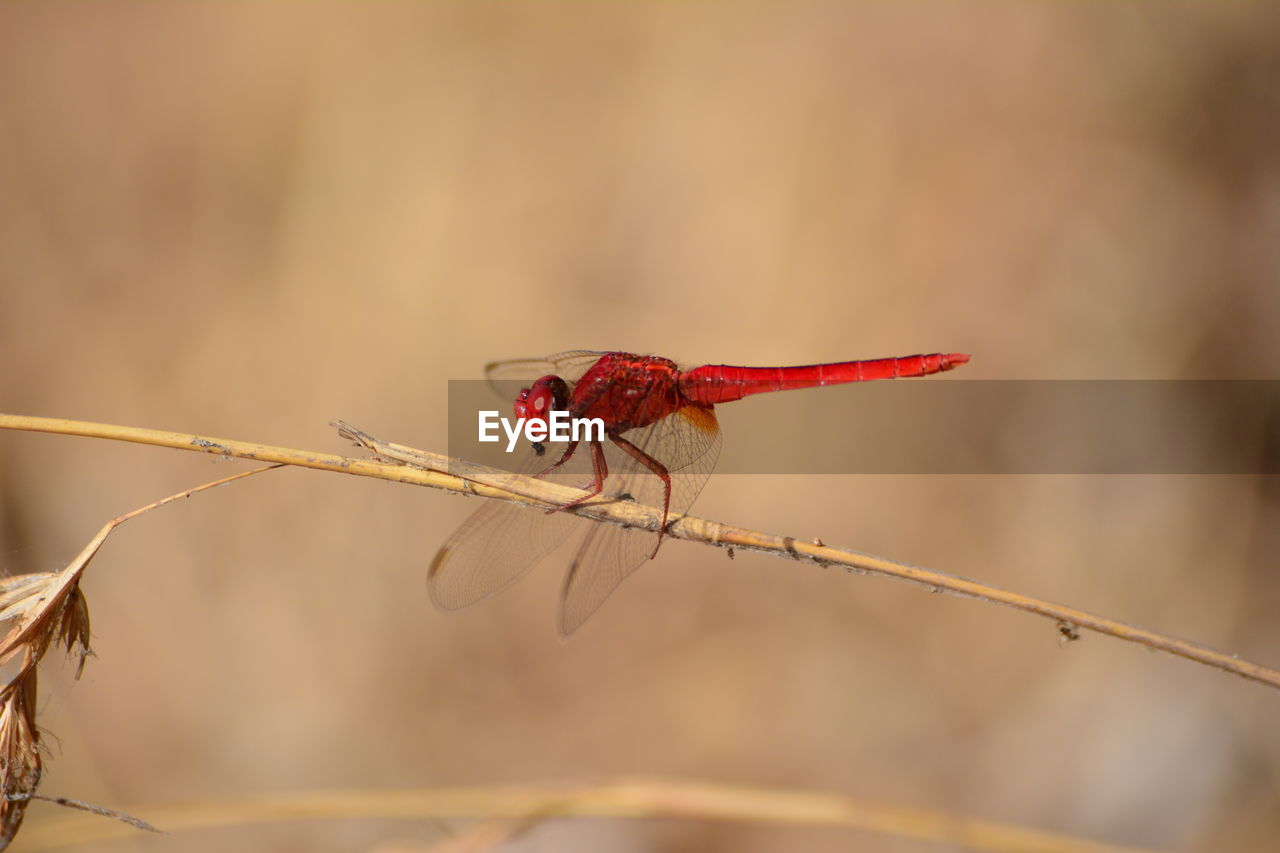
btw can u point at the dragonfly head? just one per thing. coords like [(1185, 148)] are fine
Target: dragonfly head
[(539, 399)]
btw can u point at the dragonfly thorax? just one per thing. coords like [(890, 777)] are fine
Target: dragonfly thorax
[(627, 391)]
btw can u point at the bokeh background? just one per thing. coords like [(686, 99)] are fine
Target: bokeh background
[(247, 220)]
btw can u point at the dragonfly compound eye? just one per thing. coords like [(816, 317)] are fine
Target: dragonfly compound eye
[(540, 398), (522, 403)]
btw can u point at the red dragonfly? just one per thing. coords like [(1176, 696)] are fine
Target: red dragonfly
[(662, 443)]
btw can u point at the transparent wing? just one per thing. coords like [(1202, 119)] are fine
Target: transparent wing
[(493, 549), (501, 542), (688, 444), (569, 366)]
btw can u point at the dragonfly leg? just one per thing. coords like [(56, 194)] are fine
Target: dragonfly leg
[(599, 469), (663, 474), (568, 454)]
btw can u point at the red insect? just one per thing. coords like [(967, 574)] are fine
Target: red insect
[(661, 443)]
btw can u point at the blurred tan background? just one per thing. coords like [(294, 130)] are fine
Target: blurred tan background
[(248, 220)]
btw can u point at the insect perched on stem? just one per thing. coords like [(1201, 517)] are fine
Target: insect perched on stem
[(660, 443)]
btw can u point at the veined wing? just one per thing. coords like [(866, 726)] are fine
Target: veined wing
[(688, 444), (500, 542), (493, 549), (568, 365)]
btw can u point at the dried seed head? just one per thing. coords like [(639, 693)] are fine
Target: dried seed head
[(19, 752)]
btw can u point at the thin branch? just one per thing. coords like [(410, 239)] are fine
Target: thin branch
[(454, 475), (81, 805), (625, 798)]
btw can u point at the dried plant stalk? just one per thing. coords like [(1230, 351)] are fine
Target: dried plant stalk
[(523, 806), (46, 608), (455, 475)]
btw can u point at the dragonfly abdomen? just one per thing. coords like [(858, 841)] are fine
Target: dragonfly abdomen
[(720, 383)]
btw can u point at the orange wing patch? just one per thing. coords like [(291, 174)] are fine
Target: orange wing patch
[(702, 419)]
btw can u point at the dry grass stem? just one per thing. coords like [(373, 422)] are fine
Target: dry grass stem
[(441, 472), (47, 608), (484, 835), (625, 798), (81, 805)]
